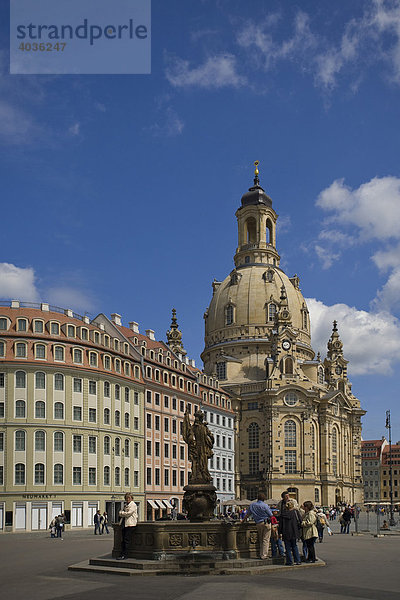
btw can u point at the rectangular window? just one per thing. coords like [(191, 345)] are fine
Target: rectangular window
[(182, 478), (157, 423), (77, 413), (92, 415), (148, 421), (135, 478), (92, 475), (173, 403), (136, 398), (166, 450), (148, 396), (166, 477), (92, 387), (92, 444), (148, 448), (2, 380), (254, 459), (38, 326), (174, 451), (148, 476), (182, 452), (77, 385), (157, 449), (157, 476), (174, 477), (166, 424), (77, 443), (135, 450), (157, 399), (181, 406), (136, 423), (1, 442), (173, 425), (166, 402), (54, 329), (290, 461), (77, 476)]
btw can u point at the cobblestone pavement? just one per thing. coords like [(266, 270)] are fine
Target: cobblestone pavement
[(34, 566)]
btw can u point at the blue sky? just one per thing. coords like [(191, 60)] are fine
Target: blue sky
[(119, 192)]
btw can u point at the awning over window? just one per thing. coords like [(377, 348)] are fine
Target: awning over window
[(168, 504), (152, 504), (160, 504)]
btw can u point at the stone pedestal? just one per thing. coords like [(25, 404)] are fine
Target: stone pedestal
[(199, 501), (175, 540)]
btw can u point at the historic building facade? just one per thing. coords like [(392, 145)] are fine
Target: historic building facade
[(298, 423), (173, 385), (71, 417), (371, 456)]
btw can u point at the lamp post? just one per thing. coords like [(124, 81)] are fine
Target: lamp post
[(388, 426)]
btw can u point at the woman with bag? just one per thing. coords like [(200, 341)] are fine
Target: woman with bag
[(310, 532), (290, 526)]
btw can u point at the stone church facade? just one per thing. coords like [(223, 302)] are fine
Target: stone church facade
[(298, 425)]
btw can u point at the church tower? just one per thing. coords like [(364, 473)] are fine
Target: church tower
[(298, 424)]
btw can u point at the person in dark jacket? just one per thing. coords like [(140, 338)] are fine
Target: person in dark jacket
[(346, 518), (290, 528)]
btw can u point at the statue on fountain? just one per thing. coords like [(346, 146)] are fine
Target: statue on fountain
[(200, 498)]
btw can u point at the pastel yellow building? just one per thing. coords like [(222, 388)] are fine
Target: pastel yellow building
[(298, 423)]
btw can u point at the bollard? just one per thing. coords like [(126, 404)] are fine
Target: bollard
[(377, 522), (367, 520)]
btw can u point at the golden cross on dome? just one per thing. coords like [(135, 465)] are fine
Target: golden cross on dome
[(256, 179)]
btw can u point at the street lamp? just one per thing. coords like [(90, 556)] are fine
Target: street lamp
[(388, 426)]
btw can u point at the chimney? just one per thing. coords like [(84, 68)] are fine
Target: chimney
[(150, 334), (192, 362), (116, 319), (134, 326)]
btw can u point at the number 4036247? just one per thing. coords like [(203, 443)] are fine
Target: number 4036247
[(42, 47)]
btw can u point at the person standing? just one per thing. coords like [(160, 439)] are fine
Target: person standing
[(276, 542), (104, 524), (97, 519), (59, 526), (261, 513), (321, 524), (128, 522), (347, 519), (310, 532), (290, 525)]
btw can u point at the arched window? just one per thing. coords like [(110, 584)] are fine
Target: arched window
[(117, 446), (58, 353), (126, 473), (271, 311), (20, 409), (127, 447), (117, 391), (106, 389), (20, 350), (40, 441), (251, 230), (288, 366), (334, 450), (106, 475), (127, 390), (106, 444), (40, 350), (117, 476), (229, 314), (78, 356), (20, 440), (320, 375), (40, 409), (59, 382), (290, 434), (127, 420), (3, 324), (269, 230), (20, 379), (254, 435), (39, 474), (58, 441), (58, 410), (40, 381), (107, 362), (334, 440), (106, 416), (2, 349), (117, 418), (58, 474), (19, 474)]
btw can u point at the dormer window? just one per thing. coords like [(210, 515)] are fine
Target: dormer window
[(22, 325)]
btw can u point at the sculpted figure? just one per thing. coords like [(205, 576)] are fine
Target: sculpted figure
[(200, 443)]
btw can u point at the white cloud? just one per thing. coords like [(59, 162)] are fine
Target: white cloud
[(371, 340), (18, 283), (388, 258), (216, 72), (326, 256), (388, 297), (16, 126), (170, 125), (74, 130), (69, 297), (373, 208)]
